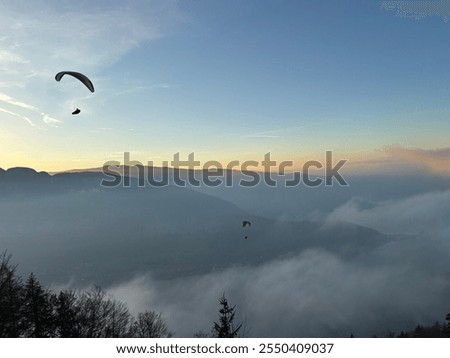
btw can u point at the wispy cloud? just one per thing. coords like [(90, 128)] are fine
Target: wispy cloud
[(6, 56), (138, 87), (51, 121), (7, 99), (29, 121), (26, 119), (43, 36), (436, 160), (12, 84), (419, 214), (47, 119), (39, 39), (418, 10), (161, 86)]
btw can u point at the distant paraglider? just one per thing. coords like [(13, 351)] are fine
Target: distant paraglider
[(244, 224), (79, 76)]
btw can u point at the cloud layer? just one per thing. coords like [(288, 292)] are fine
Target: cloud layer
[(312, 295), (436, 160), (317, 293)]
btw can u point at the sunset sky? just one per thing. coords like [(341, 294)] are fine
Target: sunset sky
[(228, 80)]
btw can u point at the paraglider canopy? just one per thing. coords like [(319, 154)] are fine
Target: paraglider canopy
[(79, 76), (76, 111)]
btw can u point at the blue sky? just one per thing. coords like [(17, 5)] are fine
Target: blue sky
[(224, 79)]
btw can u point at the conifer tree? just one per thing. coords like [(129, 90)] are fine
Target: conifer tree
[(11, 293), (226, 328), (37, 310), (67, 317)]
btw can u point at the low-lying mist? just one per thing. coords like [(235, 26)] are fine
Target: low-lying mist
[(366, 261)]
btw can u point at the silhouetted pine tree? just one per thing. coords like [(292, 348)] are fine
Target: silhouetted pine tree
[(67, 317), (225, 328), (436, 331), (37, 310), (11, 293), (446, 329), (419, 331)]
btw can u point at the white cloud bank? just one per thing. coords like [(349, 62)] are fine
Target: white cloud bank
[(313, 295)]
